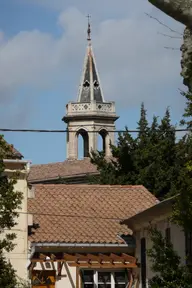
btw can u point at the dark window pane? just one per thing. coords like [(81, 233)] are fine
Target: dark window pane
[(119, 277), (143, 262), (120, 285), (88, 276), (88, 285), (104, 277), (104, 286), (168, 236)]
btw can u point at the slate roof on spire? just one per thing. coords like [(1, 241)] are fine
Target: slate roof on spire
[(90, 88)]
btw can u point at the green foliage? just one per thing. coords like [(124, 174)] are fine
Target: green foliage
[(164, 166), (23, 283), (7, 273), (188, 109), (149, 159), (167, 264), (182, 210), (10, 201)]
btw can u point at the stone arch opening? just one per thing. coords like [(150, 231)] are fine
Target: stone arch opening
[(102, 140), (82, 144)]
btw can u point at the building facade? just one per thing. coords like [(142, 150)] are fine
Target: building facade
[(156, 216), (79, 240), (19, 255)]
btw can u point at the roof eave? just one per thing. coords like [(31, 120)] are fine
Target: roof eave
[(68, 177), (68, 118), (59, 244), (158, 211)]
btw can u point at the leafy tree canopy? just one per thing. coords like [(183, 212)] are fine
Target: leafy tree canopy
[(148, 159), (10, 201), (167, 264)]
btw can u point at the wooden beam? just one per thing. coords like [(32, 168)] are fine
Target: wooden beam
[(130, 279), (81, 257), (53, 257), (117, 257), (42, 256), (53, 266), (129, 258), (31, 269), (42, 266), (105, 265), (94, 257), (77, 277), (100, 258), (105, 258), (69, 257), (59, 268)]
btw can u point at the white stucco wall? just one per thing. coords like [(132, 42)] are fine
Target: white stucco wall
[(18, 256), (177, 238)]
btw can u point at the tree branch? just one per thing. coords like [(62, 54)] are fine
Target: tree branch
[(172, 48), (180, 10), (166, 26), (166, 35)]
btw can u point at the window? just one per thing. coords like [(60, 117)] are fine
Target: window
[(188, 247), (143, 262), (104, 279), (120, 280), (168, 236), (88, 280)]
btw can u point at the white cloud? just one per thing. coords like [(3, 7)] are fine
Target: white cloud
[(133, 64)]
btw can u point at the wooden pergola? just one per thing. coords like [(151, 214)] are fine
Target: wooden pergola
[(92, 261)]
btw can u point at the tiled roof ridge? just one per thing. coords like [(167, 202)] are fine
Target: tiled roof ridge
[(59, 162), (90, 185)]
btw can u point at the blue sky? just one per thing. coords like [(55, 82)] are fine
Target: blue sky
[(42, 48)]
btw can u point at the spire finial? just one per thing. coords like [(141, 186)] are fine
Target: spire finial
[(89, 29)]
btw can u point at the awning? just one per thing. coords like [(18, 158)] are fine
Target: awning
[(87, 260)]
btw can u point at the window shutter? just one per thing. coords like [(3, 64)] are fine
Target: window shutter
[(188, 247), (168, 235), (143, 262)]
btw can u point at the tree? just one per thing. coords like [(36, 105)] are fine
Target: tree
[(182, 210), (181, 11), (148, 159), (162, 253), (167, 264), (187, 120), (10, 201)]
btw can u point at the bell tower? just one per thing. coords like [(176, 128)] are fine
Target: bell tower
[(90, 115)]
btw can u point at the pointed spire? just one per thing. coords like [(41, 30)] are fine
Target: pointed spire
[(89, 29), (90, 88)]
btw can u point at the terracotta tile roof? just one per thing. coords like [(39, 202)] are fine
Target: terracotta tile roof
[(68, 168), (85, 213), (14, 153)]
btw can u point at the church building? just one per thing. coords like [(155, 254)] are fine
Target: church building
[(75, 235), (89, 117)]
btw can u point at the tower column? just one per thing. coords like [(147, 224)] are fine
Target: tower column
[(92, 140), (110, 138), (72, 147)]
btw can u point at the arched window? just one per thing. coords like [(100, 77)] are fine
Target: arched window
[(83, 143), (102, 137)]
